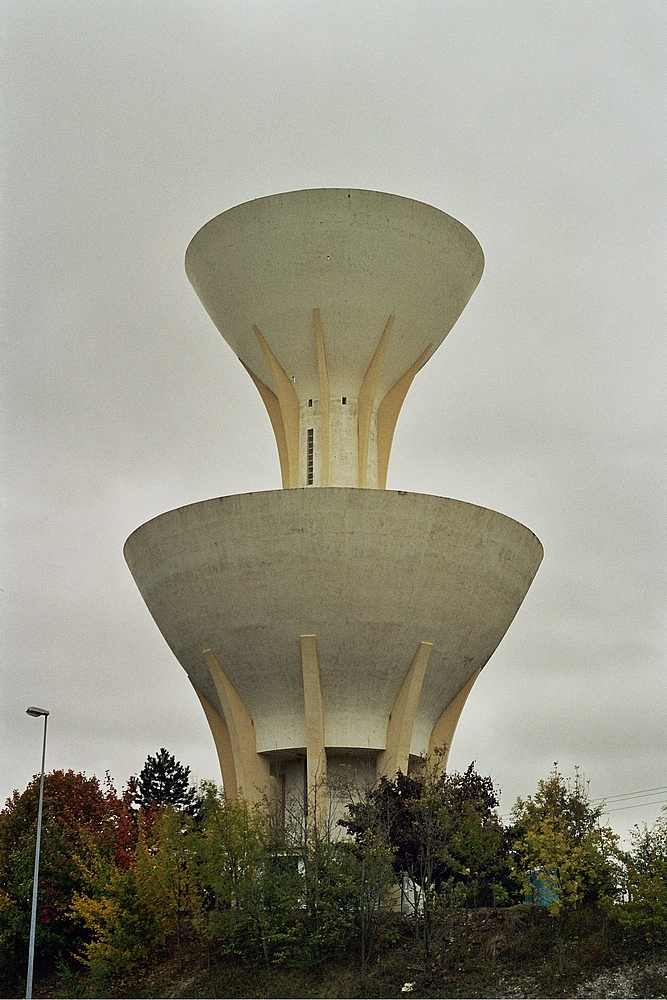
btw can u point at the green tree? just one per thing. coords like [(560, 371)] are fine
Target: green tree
[(443, 828), (336, 883), (294, 895), (645, 912), (163, 781), (477, 851), (235, 851), (444, 833), (375, 884), (166, 876)]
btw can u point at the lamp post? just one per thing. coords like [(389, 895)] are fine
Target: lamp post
[(36, 712)]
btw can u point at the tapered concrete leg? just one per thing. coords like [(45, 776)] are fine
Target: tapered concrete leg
[(252, 771), (443, 731), (223, 745), (402, 717), (316, 758)]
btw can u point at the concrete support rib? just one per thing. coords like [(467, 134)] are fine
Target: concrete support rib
[(443, 731), (366, 405), (223, 745), (387, 415), (402, 717), (252, 770), (325, 403), (272, 405), (289, 409), (316, 759)]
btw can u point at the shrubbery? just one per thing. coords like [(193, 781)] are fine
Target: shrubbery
[(121, 886), (644, 914)]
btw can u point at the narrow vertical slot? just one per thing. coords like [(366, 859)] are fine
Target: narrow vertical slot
[(309, 466)]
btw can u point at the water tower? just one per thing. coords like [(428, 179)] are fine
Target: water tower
[(332, 624)]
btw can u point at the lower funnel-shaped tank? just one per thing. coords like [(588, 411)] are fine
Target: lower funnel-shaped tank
[(333, 624)]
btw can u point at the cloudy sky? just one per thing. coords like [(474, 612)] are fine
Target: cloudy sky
[(540, 124)]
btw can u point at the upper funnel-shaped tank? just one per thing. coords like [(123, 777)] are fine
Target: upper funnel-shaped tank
[(333, 299)]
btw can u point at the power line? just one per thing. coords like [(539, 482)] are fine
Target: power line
[(624, 797), (629, 795), (635, 805)]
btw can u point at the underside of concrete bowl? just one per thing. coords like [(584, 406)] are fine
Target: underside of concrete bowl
[(373, 576)]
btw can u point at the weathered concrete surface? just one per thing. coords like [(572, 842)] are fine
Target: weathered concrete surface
[(371, 574)]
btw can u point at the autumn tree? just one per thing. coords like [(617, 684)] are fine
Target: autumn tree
[(79, 816), (120, 932), (131, 913), (558, 833), (562, 847)]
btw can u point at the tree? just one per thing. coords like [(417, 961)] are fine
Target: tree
[(163, 781), (445, 834), (477, 851), (79, 817), (442, 827), (558, 833), (340, 885), (559, 841), (293, 896), (165, 874), (386, 808), (235, 851), (375, 881), (121, 932), (645, 912), (132, 912)]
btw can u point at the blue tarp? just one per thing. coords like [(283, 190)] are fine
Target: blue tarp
[(542, 889)]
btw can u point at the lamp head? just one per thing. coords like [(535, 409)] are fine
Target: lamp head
[(36, 712)]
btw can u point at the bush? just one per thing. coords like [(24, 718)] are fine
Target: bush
[(645, 912)]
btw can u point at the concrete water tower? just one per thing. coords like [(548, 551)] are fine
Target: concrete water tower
[(332, 623)]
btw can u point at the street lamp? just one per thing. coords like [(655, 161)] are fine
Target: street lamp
[(36, 712)]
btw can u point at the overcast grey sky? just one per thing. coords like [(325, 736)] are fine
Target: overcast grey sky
[(541, 126)]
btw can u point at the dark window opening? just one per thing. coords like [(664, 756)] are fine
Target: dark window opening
[(310, 402), (344, 400), (309, 464)]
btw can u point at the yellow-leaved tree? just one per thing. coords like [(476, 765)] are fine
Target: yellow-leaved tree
[(165, 874), (565, 857)]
